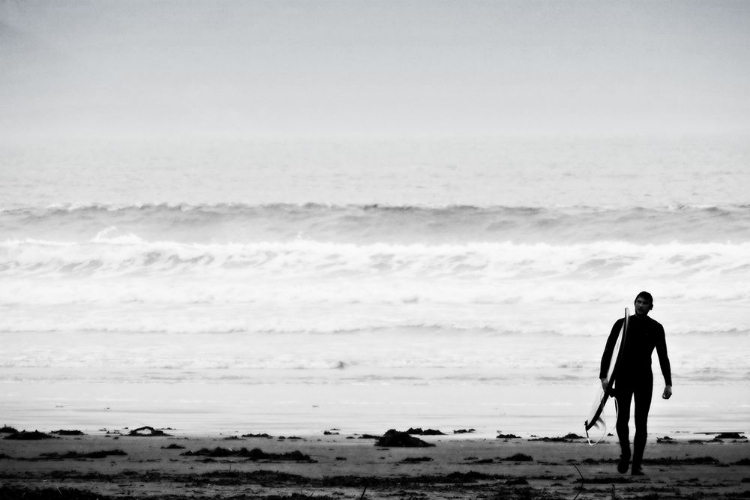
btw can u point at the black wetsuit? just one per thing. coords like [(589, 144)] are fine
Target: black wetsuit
[(634, 379)]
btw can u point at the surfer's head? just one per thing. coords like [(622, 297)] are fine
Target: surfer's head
[(643, 303)]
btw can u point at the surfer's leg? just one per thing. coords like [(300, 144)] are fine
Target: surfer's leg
[(643, 395), (624, 397)]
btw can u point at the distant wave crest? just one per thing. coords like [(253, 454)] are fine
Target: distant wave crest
[(366, 224)]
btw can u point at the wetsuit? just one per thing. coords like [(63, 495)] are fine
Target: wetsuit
[(634, 379)]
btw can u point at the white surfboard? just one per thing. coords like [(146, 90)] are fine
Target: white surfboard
[(595, 420)]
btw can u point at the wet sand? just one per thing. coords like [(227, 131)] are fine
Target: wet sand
[(333, 465)]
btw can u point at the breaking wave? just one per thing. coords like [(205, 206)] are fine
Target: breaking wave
[(113, 253)]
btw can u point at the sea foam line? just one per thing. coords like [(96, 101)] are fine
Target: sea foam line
[(125, 253)]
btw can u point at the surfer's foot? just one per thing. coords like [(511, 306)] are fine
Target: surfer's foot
[(637, 472), (622, 465)]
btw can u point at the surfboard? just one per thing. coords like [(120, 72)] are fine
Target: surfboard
[(595, 418)]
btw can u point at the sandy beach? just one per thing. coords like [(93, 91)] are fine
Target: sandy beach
[(112, 463)]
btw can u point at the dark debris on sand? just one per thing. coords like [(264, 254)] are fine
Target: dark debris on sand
[(427, 432), (147, 431), (29, 436), (253, 455), (519, 457), (396, 439), (665, 440), (568, 438), (75, 455), (735, 436), (173, 447), (682, 461), (416, 460)]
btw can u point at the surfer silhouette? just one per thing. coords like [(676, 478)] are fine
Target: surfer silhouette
[(634, 380)]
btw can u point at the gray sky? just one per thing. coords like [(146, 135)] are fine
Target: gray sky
[(152, 68)]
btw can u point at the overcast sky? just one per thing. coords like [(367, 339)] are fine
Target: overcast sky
[(151, 68)]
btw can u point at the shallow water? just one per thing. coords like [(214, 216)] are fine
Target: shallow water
[(292, 285)]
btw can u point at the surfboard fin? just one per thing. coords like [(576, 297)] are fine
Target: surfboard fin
[(599, 424)]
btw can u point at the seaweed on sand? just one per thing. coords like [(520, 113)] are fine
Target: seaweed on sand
[(29, 436), (396, 439), (254, 454), (76, 455), (147, 431)]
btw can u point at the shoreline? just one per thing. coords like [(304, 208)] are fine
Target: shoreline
[(333, 464), (278, 408)]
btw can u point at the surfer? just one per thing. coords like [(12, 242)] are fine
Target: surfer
[(634, 379)]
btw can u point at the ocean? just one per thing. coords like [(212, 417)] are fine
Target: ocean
[(301, 285)]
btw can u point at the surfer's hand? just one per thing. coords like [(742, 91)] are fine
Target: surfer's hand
[(604, 383), (667, 392)]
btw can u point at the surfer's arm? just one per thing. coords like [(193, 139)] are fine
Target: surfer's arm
[(666, 368), (608, 350)]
